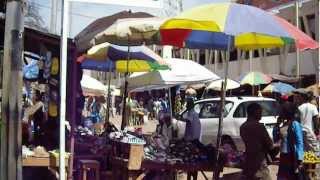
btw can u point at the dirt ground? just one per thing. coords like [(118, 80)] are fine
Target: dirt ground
[(228, 173)]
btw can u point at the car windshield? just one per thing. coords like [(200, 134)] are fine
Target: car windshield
[(211, 109)]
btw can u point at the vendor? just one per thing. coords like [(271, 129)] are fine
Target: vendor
[(131, 110), (193, 125)]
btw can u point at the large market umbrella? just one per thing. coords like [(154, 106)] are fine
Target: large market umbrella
[(131, 31), (125, 32), (83, 40), (138, 59), (279, 87), (225, 26), (182, 72), (141, 58), (255, 78), (216, 85), (221, 25)]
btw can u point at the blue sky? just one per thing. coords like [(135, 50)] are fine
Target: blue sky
[(85, 13)]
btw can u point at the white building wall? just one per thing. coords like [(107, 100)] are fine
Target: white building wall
[(270, 65)]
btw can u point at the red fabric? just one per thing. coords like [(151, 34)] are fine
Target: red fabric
[(303, 41), (174, 37), (81, 58), (285, 97)]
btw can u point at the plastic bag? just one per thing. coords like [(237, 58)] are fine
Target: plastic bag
[(31, 70)]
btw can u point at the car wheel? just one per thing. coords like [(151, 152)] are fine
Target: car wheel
[(228, 140)]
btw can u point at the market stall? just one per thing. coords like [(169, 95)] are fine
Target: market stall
[(134, 157)]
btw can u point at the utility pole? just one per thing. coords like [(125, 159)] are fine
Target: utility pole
[(11, 165)]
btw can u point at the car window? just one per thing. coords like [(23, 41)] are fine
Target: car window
[(197, 107), (240, 112), (269, 108), (211, 109)]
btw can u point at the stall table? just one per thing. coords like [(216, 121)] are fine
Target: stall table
[(121, 170), (50, 162)]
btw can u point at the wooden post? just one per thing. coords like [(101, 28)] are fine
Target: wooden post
[(11, 166)]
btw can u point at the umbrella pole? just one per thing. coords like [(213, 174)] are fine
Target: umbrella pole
[(251, 69), (109, 96), (170, 103), (123, 123), (220, 127)]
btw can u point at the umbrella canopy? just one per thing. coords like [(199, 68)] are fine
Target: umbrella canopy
[(182, 72), (131, 31), (279, 87), (226, 25), (216, 85), (91, 86), (255, 78), (141, 58), (97, 65), (84, 38), (315, 89)]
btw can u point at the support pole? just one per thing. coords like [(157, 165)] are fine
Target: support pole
[(109, 94), (223, 96), (124, 118), (297, 50), (251, 68), (63, 87), (11, 137)]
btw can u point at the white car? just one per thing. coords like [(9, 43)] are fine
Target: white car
[(235, 115)]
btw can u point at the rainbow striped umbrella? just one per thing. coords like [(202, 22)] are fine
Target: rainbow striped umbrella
[(231, 25), (255, 78), (139, 59)]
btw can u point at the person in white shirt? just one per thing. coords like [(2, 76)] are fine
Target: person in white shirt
[(309, 117)]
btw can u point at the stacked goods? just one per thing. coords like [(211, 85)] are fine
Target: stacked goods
[(179, 152), (310, 157)]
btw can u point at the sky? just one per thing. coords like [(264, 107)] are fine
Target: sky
[(82, 14)]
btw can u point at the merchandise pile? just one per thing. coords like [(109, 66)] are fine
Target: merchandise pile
[(126, 137), (178, 152), (38, 151), (87, 142), (311, 157)]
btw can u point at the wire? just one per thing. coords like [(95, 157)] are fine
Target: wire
[(72, 13)]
